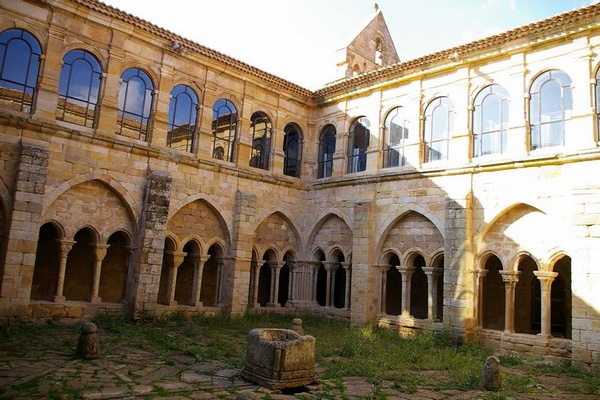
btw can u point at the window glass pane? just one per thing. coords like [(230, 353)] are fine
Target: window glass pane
[(491, 113), (551, 106), (439, 123)]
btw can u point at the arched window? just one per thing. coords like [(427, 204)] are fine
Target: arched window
[(396, 134), (358, 143), (261, 140), (19, 67), (224, 127), (292, 148), (490, 120), (326, 150), (79, 88), (550, 106), (135, 104), (183, 110), (438, 126)]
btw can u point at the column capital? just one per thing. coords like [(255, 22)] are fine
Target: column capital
[(545, 278), (480, 273), (65, 246), (382, 267), (331, 265), (405, 268), (511, 277), (101, 250), (433, 270), (346, 265)]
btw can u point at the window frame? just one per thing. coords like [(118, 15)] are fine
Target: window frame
[(430, 123), (388, 149), (260, 151), (357, 156), (480, 133), (93, 86), (231, 128), (189, 129), (147, 105), (292, 166), (327, 141), (27, 87), (536, 114)]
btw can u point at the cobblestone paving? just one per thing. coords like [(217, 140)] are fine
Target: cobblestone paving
[(35, 371)]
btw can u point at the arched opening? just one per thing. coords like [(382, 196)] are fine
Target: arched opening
[(439, 310), (493, 295), (393, 288), (264, 280), (527, 298), (114, 269), (418, 289), (47, 264), (167, 264), (210, 276), (285, 280), (560, 309), (185, 274), (321, 293), (80, 266)]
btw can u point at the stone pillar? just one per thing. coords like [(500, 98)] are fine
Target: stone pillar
[(65, 247), (510, 279), (256, 276), (144, 275), (407, 272), (178, 257), (478, 312), (433, 274), (101, 250), (220, 267), (275, 269), (546, 278), (330, 266), (383, 269), (24, 222), (315, 277), (348, 268), (198, 261), (293, 278)]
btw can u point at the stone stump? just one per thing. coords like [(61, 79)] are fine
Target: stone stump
[(87, 345), (491, 376), (297, 326), (279, 358)]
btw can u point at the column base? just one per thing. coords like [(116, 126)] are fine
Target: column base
[(275, 305), (171, 303), (196, 304), (59, 299), (95, 300)]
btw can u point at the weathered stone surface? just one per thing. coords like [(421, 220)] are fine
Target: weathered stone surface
[(87, 345), (491, 375)]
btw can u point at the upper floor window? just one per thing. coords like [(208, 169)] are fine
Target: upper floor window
[(224, 124), (358, 143), (79, 88), (19, 67), (183, 110), (292, 148), (326, 150), (550, 106), (438, 126), (490, 121), (396, 135), (135, 104), (261, 140)]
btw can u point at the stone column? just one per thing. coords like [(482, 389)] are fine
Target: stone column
[(178, 257), (383, 269), (407, 272), (315, 277), (275, 269), (330, 266), (478, 312), (65, 248), (348, 268), (256, 276), (220, 266), (198, 261), (433, 274), (101, 250), (510, 279), (546, 278), (293, 278)]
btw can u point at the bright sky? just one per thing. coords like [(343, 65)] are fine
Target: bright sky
[(296, 39)]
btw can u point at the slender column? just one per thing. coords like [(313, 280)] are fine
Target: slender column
[(275, 269), (407, 272), (348, 268), (292, 281), (256, 276), (101, 250), (65, 248), (546, 278), (510, 279), (198, 261), (178, 257), (479, 275), (220, 265), (316, 267), (433, 274), (329, 267), (383, 269)]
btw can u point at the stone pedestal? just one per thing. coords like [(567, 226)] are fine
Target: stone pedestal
[(279, 358)]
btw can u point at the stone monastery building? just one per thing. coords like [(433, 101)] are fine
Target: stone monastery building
[(146, 174)]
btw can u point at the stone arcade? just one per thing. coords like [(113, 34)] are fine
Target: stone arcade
[(144, 173)]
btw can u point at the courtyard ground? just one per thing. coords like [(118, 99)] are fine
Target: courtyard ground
[(180, 358)]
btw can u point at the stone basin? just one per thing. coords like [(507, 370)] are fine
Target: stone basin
[(279, 358)]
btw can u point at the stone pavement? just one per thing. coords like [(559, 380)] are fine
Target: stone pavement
[(37, 371)]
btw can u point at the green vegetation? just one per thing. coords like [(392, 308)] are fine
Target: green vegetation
[(388, 361)]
